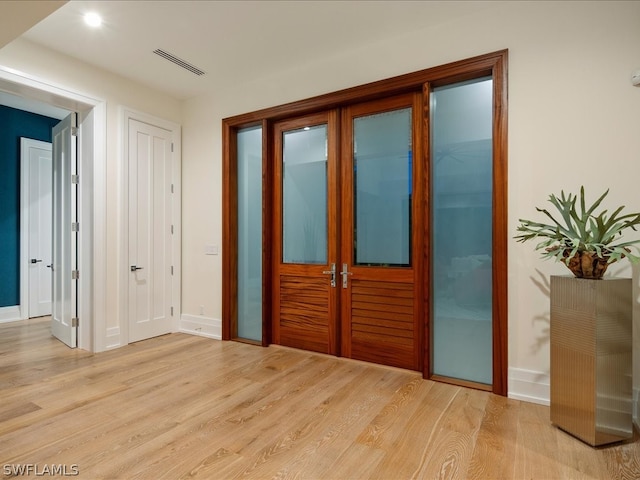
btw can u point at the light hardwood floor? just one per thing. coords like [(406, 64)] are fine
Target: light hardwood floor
[(181, 406)]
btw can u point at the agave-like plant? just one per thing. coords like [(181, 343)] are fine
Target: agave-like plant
[(583, 241)]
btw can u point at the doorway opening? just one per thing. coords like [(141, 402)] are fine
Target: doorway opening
[(35, 228), (91, 194)]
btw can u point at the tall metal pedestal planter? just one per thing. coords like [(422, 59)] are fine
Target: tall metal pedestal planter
[(591, 348)]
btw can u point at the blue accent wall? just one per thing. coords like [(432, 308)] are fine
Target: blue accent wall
[(13, 125)]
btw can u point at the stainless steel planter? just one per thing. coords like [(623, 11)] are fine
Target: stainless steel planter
[(591, 366)]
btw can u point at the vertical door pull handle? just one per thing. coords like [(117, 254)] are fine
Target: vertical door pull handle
[(345, 273), (331, 272)]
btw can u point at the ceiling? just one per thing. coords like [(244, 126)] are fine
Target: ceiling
[(18, 16), (231, 41)]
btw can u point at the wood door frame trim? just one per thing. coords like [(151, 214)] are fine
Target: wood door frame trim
[(492, 64), (230, 229)]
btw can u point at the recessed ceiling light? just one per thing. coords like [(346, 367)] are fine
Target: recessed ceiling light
[(92, 19)]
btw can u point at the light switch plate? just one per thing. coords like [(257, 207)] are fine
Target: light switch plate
[(211, 250)]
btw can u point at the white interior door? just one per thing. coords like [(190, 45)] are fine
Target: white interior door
[(64, 260), (149, 153), (38, 169)]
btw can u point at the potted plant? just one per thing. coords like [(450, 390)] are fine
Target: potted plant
[(583, 241), (591, 325)]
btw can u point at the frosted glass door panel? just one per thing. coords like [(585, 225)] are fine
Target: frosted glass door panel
[(382, 188), (462, 172), (249, 156), (304, 196)]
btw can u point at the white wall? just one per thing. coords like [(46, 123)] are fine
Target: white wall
[(65, 72), (573, 120)]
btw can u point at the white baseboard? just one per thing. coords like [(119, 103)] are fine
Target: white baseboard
[(200, 325), (529, 386), (636, 407), (112, 338), (10, 314)]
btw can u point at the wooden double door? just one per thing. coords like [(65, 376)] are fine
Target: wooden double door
[(348, 232)]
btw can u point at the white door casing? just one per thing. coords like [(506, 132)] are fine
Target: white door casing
[(35, 219), (64, 260), (150, 230)]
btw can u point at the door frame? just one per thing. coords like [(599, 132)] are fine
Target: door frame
[(125, 114), (493, 64), (92, 127), (25, 214)]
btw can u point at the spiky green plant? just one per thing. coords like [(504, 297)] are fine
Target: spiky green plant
[(583, 240)]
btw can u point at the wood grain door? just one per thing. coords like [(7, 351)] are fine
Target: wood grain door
[(346, 240), (305, 233), (381, 318)]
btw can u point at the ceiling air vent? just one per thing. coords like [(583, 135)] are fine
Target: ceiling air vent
[(178, 61)]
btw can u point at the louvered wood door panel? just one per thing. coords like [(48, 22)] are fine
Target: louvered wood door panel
[(382, 325), (304, 313)]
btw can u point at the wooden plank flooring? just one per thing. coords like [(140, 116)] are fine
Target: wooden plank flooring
[(181, 406)]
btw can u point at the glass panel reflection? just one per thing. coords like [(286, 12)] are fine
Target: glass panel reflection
[(382, 163), (304, 195), (249, 163), (462, 173)]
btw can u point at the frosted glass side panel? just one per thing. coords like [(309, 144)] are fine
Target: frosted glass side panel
[(304, 196), (249, 142), (382, 162), (462, 172)]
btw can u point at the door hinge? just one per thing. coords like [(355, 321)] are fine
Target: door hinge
[(172, 188), (75, 274), (171, 229), (171, 146), (75, 226), (171, 269), (172, 311), (74, 322), (74, 131), (75, 179)]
